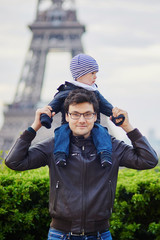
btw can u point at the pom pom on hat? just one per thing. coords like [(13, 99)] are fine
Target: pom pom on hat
[(82, 64)]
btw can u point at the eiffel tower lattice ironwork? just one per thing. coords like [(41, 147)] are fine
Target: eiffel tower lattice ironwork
[(56, 28)]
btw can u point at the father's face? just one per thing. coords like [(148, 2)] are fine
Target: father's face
[(81, 125)]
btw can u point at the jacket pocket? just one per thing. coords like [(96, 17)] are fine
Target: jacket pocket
[(56, 195), (111, 195)]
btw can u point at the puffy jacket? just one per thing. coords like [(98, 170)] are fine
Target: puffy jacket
[(82, 193)]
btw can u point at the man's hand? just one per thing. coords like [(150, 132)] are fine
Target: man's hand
[(37, 123), (126, 126)]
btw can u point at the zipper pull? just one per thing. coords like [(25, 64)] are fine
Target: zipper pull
[(82, 148), (57, 184)]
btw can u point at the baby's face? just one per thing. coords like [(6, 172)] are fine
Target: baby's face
[(88, 78)]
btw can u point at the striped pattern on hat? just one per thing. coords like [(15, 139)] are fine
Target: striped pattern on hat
[(82, 64)]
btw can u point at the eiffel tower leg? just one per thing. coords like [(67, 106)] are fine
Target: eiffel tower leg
[(38, 76), (53, 28), (29, 88)]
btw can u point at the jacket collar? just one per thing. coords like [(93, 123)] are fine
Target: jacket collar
[(80, 141)]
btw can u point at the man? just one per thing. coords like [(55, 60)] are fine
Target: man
[(83, 192)]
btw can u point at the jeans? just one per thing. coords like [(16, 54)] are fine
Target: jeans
[(100, 135), (54, 234)]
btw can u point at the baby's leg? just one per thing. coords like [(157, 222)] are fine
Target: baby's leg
[(61, 146), (102, 142)]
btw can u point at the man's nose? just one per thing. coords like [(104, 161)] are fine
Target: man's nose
[(82, 119)]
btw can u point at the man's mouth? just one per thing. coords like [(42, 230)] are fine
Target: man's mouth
[(81, 126)]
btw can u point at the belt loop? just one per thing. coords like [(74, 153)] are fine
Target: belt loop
[(98, 235), (69, 235)]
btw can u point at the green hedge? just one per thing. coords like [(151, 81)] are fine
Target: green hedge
[(136, 212), (24, 205)]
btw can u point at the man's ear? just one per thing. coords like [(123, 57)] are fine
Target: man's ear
[(95, 117), (67, 117)]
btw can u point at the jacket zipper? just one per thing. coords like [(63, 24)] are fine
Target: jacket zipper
[(83, 193)]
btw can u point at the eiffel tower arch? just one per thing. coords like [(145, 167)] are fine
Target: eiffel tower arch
[(55, 28)]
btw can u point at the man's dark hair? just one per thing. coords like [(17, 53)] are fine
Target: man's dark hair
[(80, 96)]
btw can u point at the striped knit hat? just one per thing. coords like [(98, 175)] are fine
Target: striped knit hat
[(82, 64)]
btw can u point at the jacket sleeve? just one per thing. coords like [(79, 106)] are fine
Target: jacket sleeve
[(104, 106), (138, 156), (24, 157), (58, 101), (57, 106)]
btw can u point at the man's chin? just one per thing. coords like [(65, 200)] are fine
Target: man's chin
[(82, 133)]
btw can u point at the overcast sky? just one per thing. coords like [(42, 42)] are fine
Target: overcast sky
[(122, 35)]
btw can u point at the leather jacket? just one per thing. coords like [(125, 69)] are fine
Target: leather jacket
[(82, 193)]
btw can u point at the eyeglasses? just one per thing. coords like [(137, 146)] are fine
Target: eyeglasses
[(76, 116)]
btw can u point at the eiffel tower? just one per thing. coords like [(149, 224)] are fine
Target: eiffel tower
[(55, 28)]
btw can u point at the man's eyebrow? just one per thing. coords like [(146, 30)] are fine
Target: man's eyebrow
[(81, 113)]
